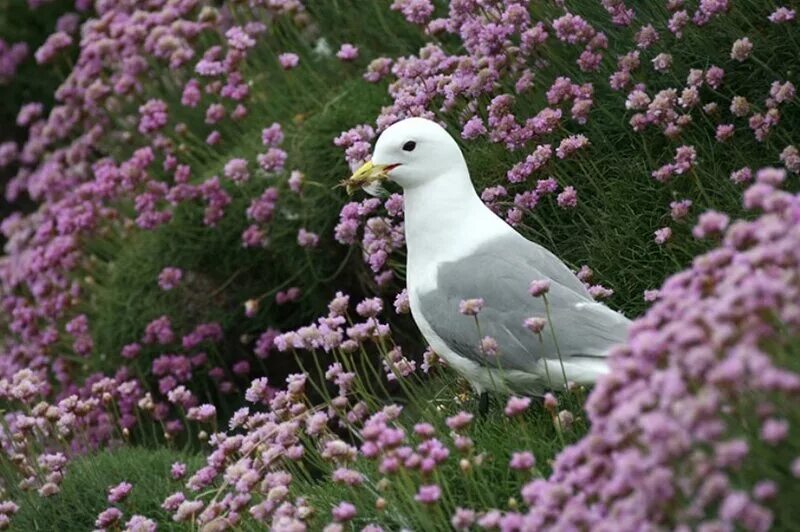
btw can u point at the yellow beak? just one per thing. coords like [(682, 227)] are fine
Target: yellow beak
[(367, 174)]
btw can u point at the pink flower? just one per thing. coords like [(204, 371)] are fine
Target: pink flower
[(288, 60), (272, 136), (646, 36), (517, 405), (140, 523), (203, 413), (347, 52), (236, 171), (550, 402), (119, 492), (169, 278), (790, 157), (343, 512), (710, 223), (378, 69), (55, 43), (489, 346), (108, 517), (535, 324), (662, 235), (539, 287), (774, 431), (522, 461), (463, 519), (131, 351), (459, 421), (414, 11), (724, 132), (428, 494), (370, 307), (568, 198), (307, 239), (714, 77), (401, 303), (473, 128), (743, 175), (570, 145), (740, 106), (239, 39), (680, 209), (177, 470), (152, 116), (662, 62), (782, 14), (741, 49), (470, 307), (273, 160), (215, 113)]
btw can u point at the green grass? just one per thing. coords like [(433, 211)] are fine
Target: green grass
[(486, 482), (85, 487), (620, 205)]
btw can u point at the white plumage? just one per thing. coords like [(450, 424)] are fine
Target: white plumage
[(459, 249)]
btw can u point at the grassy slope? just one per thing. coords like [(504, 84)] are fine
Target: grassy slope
[(83, 493)]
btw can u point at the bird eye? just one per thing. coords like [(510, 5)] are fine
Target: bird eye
[(409, 146)]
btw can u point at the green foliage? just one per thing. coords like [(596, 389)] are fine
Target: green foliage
[(479, 477), (85, 488)]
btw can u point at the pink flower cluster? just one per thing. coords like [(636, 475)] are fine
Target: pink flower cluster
[(642, 456)]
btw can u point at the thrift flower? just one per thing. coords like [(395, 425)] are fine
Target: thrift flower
[(489, 346), (428, 494), (169, 278), (535, 324), (470, 307), (539, 287), (347, 52), (517, 405), (741, 49), (119, 492), (662, 235), (288, 60), (522, 461), (343, 512)]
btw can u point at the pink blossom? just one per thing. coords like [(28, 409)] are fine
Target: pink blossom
[(741, 49), (535, 324), (428, 494), (119, 492), (459, 421), (662, 235), (288, 60), (522, 461), (347, 52), (568, 198), (517, 405), (539, 287), (782, 14), (414, 11), (169, 278), (470, 307), (710, 223), (307, 239), (236, 171)]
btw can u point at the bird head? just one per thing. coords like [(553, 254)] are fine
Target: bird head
[(411, 152)]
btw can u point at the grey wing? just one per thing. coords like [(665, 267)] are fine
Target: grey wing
[(583, 328)]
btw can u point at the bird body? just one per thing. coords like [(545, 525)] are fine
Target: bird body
[(460, 249)]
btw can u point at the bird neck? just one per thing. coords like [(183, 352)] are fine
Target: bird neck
[(444, 217)]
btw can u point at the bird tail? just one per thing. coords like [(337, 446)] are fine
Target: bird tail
[(579, 369)]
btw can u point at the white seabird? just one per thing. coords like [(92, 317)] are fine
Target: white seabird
[(459, 249)]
